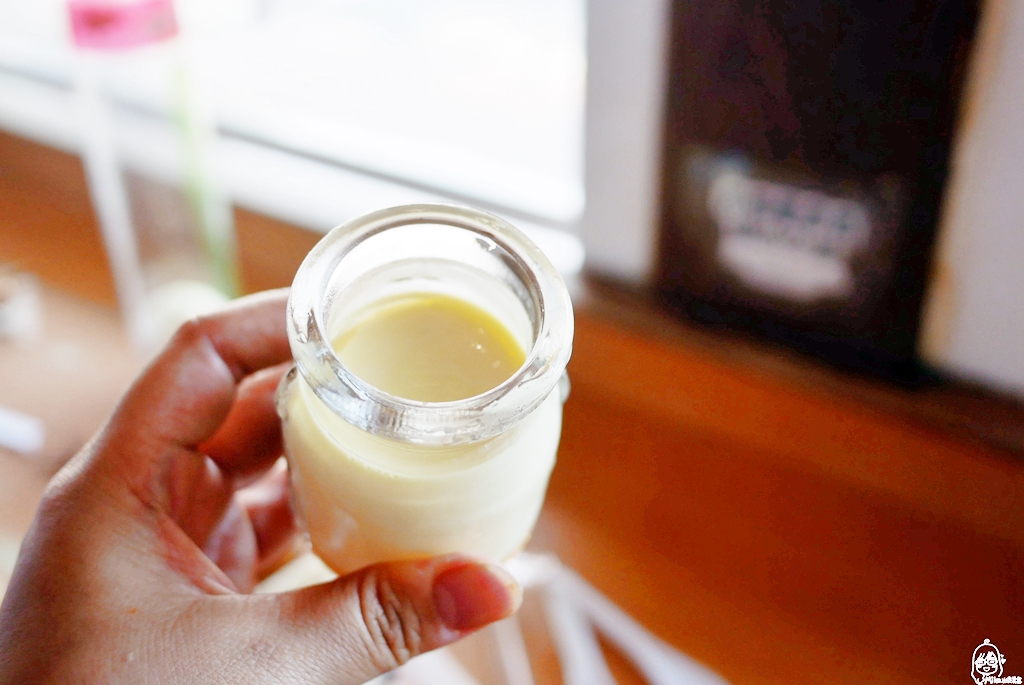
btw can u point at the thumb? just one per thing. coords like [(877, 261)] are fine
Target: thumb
[(369, 622)]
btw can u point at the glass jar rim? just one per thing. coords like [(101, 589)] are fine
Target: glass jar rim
[(417, 422)]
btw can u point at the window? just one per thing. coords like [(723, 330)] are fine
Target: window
[(327, 109)]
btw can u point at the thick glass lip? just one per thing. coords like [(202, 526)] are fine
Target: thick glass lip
[(430, 423)]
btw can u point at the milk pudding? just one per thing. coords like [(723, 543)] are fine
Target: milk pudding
[(425, 412), (431, 348)]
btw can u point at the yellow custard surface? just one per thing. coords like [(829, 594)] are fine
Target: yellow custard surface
[(430, 348)]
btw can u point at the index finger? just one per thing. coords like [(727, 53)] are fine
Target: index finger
[(187, 391)]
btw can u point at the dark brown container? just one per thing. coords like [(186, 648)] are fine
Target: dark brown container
[(807, 146)]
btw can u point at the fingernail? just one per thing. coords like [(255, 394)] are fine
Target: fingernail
[(471, 596)]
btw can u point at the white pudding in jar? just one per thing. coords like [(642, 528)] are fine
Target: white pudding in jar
[(425, 411)]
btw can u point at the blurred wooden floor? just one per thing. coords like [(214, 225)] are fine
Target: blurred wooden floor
[(780, 522)]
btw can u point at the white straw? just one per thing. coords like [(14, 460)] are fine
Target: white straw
[(579, 652), (515, 661), (109, 197)]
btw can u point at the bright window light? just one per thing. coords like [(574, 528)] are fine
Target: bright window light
[(476, 101)]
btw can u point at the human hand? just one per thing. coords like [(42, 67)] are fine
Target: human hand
[(136, 565)]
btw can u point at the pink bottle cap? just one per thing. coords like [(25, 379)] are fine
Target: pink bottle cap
[(110, 26)]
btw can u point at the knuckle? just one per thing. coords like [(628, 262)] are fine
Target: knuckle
[(393, 627), (192, 332), (55, 504), (200, 333)]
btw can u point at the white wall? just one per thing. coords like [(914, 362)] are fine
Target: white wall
[(627, 56), (973, 323)]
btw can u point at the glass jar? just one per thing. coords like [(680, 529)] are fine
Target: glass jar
[(378, 477)]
